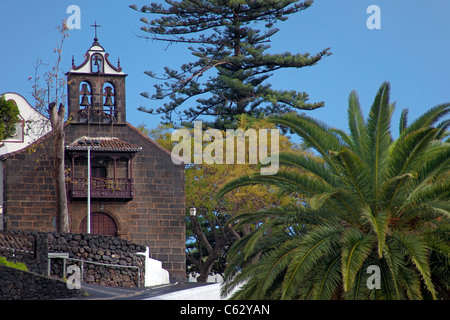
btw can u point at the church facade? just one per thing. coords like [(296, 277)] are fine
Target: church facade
[(136, 192)]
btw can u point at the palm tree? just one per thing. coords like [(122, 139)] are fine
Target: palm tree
[(370, 200)]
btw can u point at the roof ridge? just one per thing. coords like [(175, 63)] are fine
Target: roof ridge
[(110, 144)]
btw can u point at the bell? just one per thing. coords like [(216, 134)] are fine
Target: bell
[(108, 101), (85, 101), (97, 66)]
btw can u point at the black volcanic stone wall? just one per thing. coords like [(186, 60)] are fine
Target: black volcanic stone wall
[(89, 248), (20, 285), (99, 249)]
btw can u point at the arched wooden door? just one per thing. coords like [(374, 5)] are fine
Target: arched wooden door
[(101, 223)]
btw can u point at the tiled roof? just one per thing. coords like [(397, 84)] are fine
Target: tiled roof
[(102, 144)]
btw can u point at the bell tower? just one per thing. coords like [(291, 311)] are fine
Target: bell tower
[(96, 89)]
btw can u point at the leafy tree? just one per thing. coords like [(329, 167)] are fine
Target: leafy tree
[(372, 200), (9, 115), (211, 232), (232, 66)]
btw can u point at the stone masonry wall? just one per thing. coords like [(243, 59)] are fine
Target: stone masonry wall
[(29, 193), (156, 215)]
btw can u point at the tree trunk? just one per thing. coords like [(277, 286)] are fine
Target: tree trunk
[(205, 270), (237, 33), (205, 266), (57, 122)]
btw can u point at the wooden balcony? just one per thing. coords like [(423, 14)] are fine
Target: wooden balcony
[(101, 188)]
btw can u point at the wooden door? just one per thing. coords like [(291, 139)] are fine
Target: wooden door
[(101, 223)]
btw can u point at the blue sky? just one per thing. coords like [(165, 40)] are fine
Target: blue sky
[(411, 51)]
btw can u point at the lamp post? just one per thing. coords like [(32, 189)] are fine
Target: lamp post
[(88, 218), (193, 212), (1, 218)]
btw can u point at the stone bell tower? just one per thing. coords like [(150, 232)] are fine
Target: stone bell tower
[(96, 89)]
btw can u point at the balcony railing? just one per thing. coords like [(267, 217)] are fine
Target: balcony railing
[(15, 244), (102, 188), (106, 114)]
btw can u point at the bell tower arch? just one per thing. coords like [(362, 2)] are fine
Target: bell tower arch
[(96, 89)]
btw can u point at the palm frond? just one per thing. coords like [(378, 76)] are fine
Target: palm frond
[(378, 222), (403, 121), (314, 246), (435, 164), (328, 278), (429, 118), (356, 125), (416, 249), (354, 174), (408, 152), (286, 181), (387, 289), (309, 164), (314, 133), (378, 137), (358, 289), (429, 192), (356, 248)]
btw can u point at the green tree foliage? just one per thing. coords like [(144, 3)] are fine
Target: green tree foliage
[(372, 200), (9, 116), (232, 66)]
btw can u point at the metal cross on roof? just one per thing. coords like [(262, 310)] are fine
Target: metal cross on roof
[(95, 26)]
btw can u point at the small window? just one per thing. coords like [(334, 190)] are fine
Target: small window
[(97, 63), (108, 102), (85, 94), (85, 100)]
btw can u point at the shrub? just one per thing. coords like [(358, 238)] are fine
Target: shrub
[(15, 265)]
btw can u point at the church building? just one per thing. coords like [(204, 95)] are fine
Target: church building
[(136, 192)]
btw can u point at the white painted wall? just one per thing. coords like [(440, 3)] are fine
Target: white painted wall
[(154, 272), (35, 126), (206, 292), (211, 279)]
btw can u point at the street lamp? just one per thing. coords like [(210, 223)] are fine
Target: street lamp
[(1, 218), (192, 211), (88, 218)]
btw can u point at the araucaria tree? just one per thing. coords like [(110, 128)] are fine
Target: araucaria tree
[(232, 66), (374, 204)]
